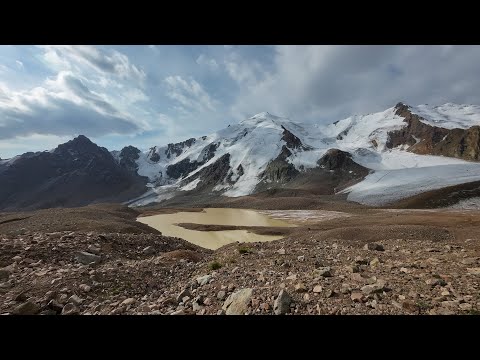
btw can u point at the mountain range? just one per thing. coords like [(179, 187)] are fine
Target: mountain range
[(374, 159)]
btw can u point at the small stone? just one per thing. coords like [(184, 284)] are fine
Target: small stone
[(378, 287), (93, 249), (361, 261), (322, 271), (356, 296), (221, 295), (220, 312), (401, 297), (300, 288), (207, 301), (374, 246), (329, 293), (203, 280), (306, 297), (291, 277), (353, 269), (27, 308), (70, 309), (87, 258), (230, 287), (48, 312), (357, 277), (317, 289), (21, 297), (436, 282), (281, 251), (237, 303), (17, 258), (301, 258), (409, 306), (282, 303), (63, 299), (129, 301), (149, 250), (404, 270), (445, 293), (196, 306), (465, 306), (345, 289), (74, 299), (178, 312), (85, 288), (184, 293), (374, 262)]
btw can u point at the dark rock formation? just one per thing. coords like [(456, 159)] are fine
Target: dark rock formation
[(74, 174), (177, 148), (426, 139), (127, 156), (280, 170)]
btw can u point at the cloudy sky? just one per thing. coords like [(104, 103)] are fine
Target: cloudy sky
[(153, 95)]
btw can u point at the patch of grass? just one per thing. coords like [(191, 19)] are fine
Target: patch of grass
[(423, 307), (244, 250), (215, 265)]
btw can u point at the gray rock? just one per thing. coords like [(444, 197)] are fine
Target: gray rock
[(94, 249), (196, 306), (70, 309), (87, 258), (317, 289), (374, 246), (149, 250), (85, 288), (185, 292), (221, 295), (27, 308), (4, 274), (74, 299), (203, 280), (378, 287), (55, 306), (129, 301), (48, 312), (300, 288), (356, 296), (221, 312), (237, 303), (282, 303), (323, 271)]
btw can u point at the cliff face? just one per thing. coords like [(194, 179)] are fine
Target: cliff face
[(425, 139)]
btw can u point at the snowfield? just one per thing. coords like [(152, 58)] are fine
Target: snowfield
[(386, 186)]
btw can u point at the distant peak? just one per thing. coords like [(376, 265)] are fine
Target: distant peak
[(82, 139), (265, 115)]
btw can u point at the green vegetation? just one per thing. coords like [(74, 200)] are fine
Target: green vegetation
[(215, 265)]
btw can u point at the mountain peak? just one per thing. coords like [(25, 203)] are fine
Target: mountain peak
[(264, 115)]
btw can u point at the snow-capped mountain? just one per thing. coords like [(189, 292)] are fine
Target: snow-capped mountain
[(375, 158)]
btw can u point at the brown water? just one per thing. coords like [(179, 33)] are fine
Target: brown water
[(214, 239)]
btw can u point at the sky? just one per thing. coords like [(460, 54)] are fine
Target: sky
[(146, 95)]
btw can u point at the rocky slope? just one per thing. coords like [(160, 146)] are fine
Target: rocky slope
[(74, 174), (362, 264)]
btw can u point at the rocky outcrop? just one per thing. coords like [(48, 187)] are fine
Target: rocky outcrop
[(339, 160), (177, 148), (212, 174), (127, 156), (424, 139), (280, 170), (186, 166), (74, 174), (292, 141)]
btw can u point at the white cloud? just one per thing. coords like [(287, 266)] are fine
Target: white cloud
[(208, 62), (189, 93), (19, 64), (62, 106), (64, 57)]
